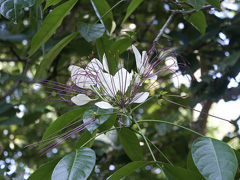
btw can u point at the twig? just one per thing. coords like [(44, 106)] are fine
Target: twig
[(164, 27), (189, 12)]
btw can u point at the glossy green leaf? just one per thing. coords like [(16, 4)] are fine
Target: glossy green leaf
[(198, 21), (130, 144), (51, 3), (128, 169), (132, 6), (90, 32), (76, 165), (109, 123), (63, 121), (215, 3), (197, 4), (84, 138), (13, 10), (52, 54), (178, 173), (214, 159), (102, 10), (50, 24), (89, 115), (45, 171)]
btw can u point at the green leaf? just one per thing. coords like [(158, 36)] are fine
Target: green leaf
[(13, 10), (63, 121), (109, 123), (90, 32), (128, 169), (237, 153), (132, 6), (89, 115), (101, 8), (84, 138), (45, 171), (131, 144), (214, 159), (198, 21), (215, 3), (112, 49), (11, 121), (50, 24), (7, 36), (51, 3), (52, 54), (197, 4), (190, 164), (178, 173), (76, 165)]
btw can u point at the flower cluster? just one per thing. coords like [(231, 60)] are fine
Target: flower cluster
[(123, 88)]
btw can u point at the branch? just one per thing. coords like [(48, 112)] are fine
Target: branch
[(189, 12), (164, 27)]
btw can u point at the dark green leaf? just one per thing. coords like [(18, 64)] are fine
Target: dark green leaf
[(128, 169), (84, 138), (215, 3), (45, 171), (197, 4), (214, 159), (177, 173), (132, 6), (7, 36), (109, 123), (50, 24), (76, 165), (11, 121), (52, 54), (63, 121), (89, 115), (229, 61), (50, 3), (198, 21), (101, 8), (237, 153), (13, 10), (131, 144), (190, 164), (90, 32)]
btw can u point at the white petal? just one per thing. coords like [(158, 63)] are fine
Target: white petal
[(137, 57), (153, 77), (94, 66), (104, 105), (122, 80), (140, 97), (107, 81), (105, 64), (81, 99)]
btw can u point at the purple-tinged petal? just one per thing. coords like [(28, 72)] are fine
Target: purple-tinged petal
[(81, 99), (137, 57), (153, 77), (140, 97), (104, 105), (122, 80)]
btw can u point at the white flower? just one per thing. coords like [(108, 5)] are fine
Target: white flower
[(144, 68)]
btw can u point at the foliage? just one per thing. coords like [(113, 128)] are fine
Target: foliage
[(41, 39)]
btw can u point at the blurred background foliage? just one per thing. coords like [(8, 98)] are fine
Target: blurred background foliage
[(26, 110)]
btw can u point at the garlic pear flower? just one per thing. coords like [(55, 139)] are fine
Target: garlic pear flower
[(119, 90)]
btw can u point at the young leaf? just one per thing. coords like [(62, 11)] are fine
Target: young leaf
[(214, 159), (130, 144), (128, 169), (76, 165), (88, 116), (101, 9), (50, 24), (132, 6), (13, 10), (52, 54), (45, 171), (178, 173), (197, 4), (84, 138), (63, 121), (198, 21), (90, 32), (215, 3)]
